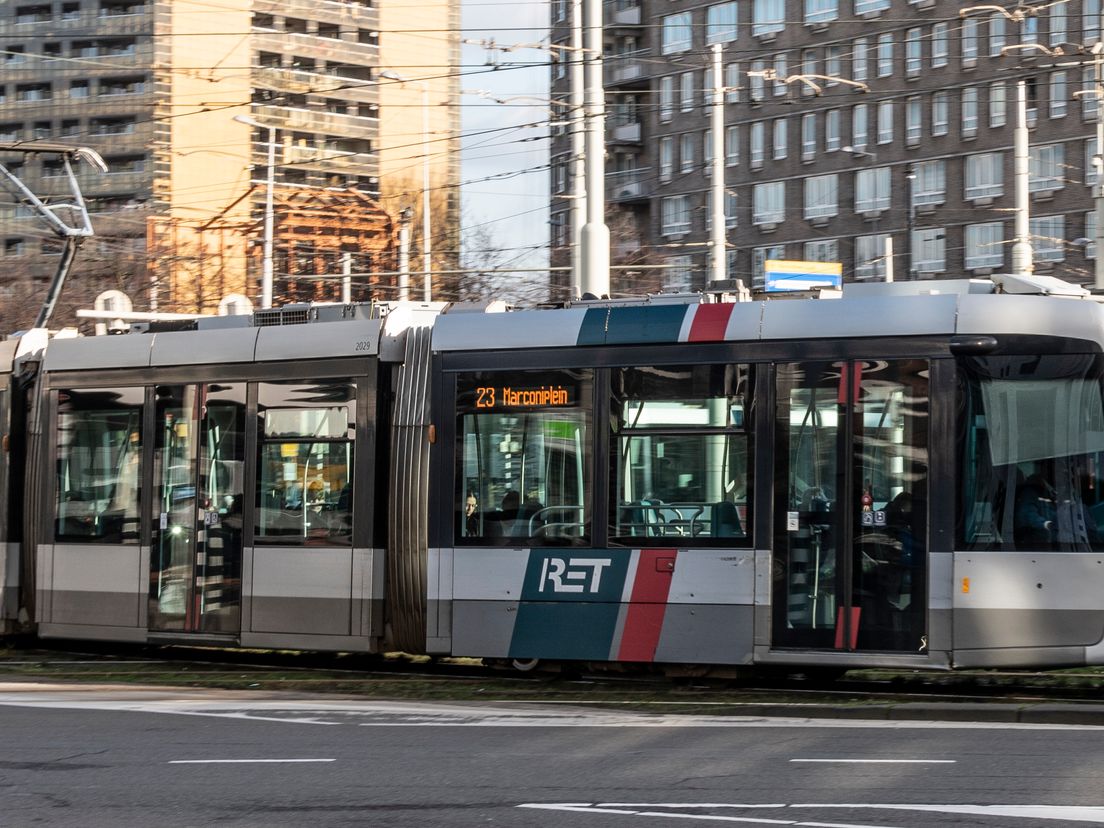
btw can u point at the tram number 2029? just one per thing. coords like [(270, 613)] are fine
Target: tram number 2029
[(485, 397)]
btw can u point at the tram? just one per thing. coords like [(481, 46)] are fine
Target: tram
[(904, 475)]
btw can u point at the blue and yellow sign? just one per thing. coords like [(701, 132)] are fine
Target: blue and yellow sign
[(782, 275)]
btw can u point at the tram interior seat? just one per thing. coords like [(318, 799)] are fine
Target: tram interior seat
[(725, 520)]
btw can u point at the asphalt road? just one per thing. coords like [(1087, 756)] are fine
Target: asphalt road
[(160, 757)]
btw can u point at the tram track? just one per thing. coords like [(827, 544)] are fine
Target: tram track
[(459, 679)]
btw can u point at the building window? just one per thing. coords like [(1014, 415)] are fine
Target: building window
[(859, 126), (780, 71), (808, 136), (885, 55), (686, 153), (732, 83), (1046, 165), (1048, 238), (33, 92), (730, 209), (859, 65), (833, 137), (1092, 164), (1090, 234), (14, 247), (809, 62), (768, 17), (941, 113), (870, 259), (1058, 18), (666, 157), (678, 274), (707, 155), (759, 258), (969, 41), (941, 46), (929, 250), (756, 84), (913, 52), (1088, 94), (870, 6), (1058, 94), (996, 34), (822, 250), (998, 104), (930, 184), (732, 146), (686, 91), (666, 98), (768, 205), (984, 245), (984, 175), (969, 111), (872, 190), (821, 196), (780, 133), (757, 139), (720, 25), (914, 119), (833, 64), (675, 215), (677, 33), (821, 11), (885, 122), (1090, 20)]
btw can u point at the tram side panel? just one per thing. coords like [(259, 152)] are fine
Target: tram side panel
[(520, 566)]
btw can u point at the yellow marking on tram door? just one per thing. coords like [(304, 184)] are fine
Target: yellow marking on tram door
[(965, 585)]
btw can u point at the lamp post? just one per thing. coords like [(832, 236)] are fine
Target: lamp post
[(266, 260), (427, 219)]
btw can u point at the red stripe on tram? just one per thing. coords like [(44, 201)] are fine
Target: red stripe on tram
[(648, 604), (710, 322)]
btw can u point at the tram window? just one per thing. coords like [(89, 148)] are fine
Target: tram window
[(523, 453), (1031, 440), (305, 468), (99, 458), (682, 463)]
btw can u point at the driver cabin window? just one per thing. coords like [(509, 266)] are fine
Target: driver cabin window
[(681, 464), (523, 457), (1032, 453)]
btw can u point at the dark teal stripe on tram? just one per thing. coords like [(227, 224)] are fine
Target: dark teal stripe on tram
[(624, 326)]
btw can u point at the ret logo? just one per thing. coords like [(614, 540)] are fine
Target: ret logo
[(578, 575)]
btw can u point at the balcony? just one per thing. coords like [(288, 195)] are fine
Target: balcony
[(623, 13), (627, 186), (298, 82), (627, 69), (626, 130)]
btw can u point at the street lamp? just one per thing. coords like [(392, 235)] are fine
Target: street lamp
[(266, 260), (427, 223), (858, 152)]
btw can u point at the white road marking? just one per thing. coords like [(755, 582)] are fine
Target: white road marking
[(685, 811), (239, 762), (885, 762), (428, 714)]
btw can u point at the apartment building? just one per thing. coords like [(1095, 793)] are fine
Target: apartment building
[(920, 152), (155, 86)]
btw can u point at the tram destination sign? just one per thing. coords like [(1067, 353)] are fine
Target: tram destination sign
[(781, 276), (502, 396)]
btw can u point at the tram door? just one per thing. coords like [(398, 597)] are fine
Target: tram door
[(851, 486), (199, 463)]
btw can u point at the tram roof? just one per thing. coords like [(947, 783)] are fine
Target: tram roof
[(1002, 305), (291, 333)]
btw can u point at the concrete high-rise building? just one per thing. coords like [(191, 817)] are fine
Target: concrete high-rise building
[(155, 85), (922, 154)]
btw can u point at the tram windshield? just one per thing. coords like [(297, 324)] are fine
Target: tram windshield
[(524, 457), (1032, 439), (681, 464)]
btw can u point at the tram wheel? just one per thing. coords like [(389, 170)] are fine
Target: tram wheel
[(525, 665)]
